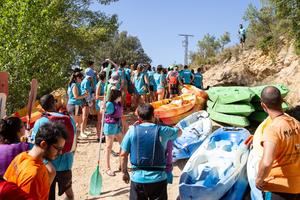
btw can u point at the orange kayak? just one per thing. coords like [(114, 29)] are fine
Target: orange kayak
[(190, 89), (199, 105), (175, 107)]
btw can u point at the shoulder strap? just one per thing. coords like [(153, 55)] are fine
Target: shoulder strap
[(156, 137)]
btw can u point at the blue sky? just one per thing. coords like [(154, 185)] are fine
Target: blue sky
[(157, 23)]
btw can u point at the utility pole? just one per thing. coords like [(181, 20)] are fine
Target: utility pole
[(185, 44)]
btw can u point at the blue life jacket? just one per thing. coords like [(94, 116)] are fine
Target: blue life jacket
[(146, 151)]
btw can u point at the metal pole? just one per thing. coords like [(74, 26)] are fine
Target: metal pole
[(185, 44)]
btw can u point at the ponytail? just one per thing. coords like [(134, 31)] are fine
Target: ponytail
[(9, 129)]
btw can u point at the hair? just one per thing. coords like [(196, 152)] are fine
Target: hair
[(50, 133), (199, 70), (271, 97), (9, 129), (193, 71), (90, 63), (159, 68), (74, 76), (114, 94), (140, 68), (102, 75), (123, 63), (47, 102), (185, 67), (145, 111), (165, 71)]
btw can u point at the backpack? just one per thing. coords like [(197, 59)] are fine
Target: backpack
[(70, 143), (173, 78)]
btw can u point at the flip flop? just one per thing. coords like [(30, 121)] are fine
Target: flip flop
[(110, 173)]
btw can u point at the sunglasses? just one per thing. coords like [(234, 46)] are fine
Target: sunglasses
[(59, 149)]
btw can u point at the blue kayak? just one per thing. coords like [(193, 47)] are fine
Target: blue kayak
[(216, 166), (195, 129)]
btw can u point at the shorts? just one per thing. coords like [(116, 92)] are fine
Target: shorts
[(84, 103), (157, 191), (243, 39), (74, 110), (64, 181), (280, 196), (174, 89), (151, 87)]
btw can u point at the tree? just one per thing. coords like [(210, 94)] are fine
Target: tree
[(122, 47), (224, 39), (42, 39), (208, 46)]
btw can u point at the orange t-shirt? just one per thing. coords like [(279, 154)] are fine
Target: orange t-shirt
[(30, 175), (284, 131)]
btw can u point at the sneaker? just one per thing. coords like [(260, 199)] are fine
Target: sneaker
[(83, 135), (87, 132)]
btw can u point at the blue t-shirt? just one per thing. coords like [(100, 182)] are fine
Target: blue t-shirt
[(198, 80), (90, 72), (159, 80), (86, 85), (139, 83), (72, 99), (151, 78), (141, 176), (186, 76), (63, 162)]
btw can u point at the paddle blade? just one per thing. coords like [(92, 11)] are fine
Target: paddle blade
[(96, 183)]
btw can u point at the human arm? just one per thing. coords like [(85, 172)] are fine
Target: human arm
[(98, 92), (111, 62), (124, 169), (265, 165)]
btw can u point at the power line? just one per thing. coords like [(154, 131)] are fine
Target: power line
[(185, 44)]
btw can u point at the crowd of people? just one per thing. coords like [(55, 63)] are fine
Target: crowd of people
[(33, 165)]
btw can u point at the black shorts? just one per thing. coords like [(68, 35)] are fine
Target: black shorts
[(243, 39), (151, 88), (74, 110), (281, 196), (84, 103), (157, 191), (64, 181), (174, 89)]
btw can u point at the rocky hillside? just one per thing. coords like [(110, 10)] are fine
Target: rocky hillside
[(252, 68)]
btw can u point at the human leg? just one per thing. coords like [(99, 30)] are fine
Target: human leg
[(109, 143)]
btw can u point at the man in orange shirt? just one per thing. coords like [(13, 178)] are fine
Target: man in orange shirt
[(28, 171), (278, 171)]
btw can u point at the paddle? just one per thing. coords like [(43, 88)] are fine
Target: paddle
[(96, 179), (31, 100), (3, 93)]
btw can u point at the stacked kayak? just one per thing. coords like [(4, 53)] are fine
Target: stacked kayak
[(230, 105), (217, 166), (195, 129), (260, 115), (171, 111)]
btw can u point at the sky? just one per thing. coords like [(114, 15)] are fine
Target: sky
[(157, 23)]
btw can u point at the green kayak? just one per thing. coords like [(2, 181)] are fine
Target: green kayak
[(232, 94), (233, 120), (244, 109), (258, 89), (258, 107), (258, 116)]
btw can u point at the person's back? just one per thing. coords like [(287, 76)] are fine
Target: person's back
[(10, 191), (284, 131), (30, 174), (187, 75), (198, 79)]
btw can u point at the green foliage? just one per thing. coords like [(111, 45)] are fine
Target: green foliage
[(208, 49), (122, 47), (42, 39)]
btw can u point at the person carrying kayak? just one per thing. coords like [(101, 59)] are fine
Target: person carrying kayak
[(146, 144), (278, 172), (242, 35), (174, 81), (187, 75), (198, 78)]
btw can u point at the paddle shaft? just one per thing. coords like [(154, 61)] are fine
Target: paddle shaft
[(31, 100), (103, 112)]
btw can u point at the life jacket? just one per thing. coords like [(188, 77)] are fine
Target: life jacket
[(115, 117), (146, 151), (173, 78), (64, 119)]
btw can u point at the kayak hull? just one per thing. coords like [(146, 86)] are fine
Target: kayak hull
[(234, 109), (225, 95), (215, 166), (233, 120)]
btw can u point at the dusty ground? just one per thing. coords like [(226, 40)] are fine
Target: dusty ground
[(113, 187)]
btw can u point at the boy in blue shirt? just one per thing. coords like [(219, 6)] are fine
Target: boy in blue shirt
[(187, 75), (146, 143)]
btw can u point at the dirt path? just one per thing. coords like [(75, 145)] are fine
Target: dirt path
[(113, 187)]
